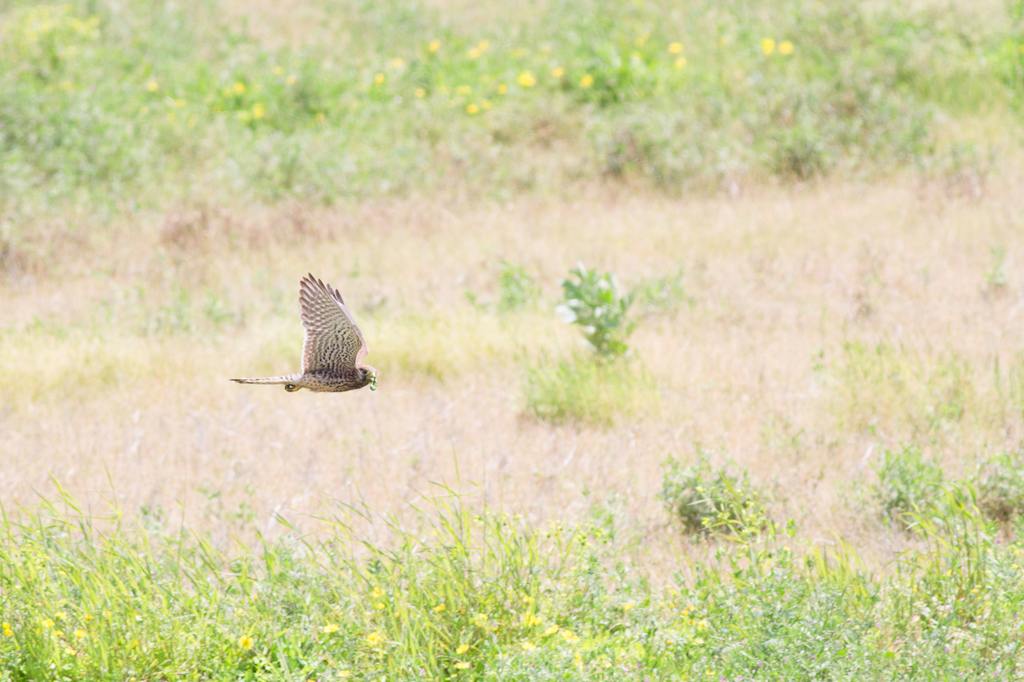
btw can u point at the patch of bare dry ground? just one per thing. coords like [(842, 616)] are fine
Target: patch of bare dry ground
[(827, 321)]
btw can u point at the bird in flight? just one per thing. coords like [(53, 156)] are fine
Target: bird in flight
[(333, 346)]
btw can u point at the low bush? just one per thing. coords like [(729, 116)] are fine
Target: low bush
[(907, 483), (705, 498), (1000, 486)]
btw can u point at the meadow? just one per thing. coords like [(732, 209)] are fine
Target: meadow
[(792, 448)]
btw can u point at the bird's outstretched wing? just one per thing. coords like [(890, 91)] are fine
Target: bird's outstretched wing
[(333, 341)]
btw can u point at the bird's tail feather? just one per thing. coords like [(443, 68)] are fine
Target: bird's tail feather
[(288, 379)]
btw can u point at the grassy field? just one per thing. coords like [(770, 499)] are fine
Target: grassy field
[(807, 463)]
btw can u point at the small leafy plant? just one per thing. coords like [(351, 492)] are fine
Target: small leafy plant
[(704, 498), (1000, 486), (995, 278), (597, 305), (907, 482), (517, 288)]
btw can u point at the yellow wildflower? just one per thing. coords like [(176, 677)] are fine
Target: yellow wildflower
[(527, 599), (344, 674), (378, 79), (378, 593), (483, 45), (473, 53), (558, 72), (329, 628), (479, 619), (239, 88), (628, 606), (278, 71), (421, 93), (320, 117), (529, 620), (586, 81), (47, 623), (58, 633), (152, 86), (526, 79), (380, 606), (88, 616), (398, 62), (552, 629), (461, 665), (528, 646), (680, 62), (79, 634), (502, 89), (768, 45), (570, 636), (290, 80), (675, 48), (472, 109), (439, 608), (702, 624), (258, 111), (376, 637), (65, 85), (486, 104), (245, 641), (463, 90), (69, 651), (785, 47), (434, 45), (463, 648)]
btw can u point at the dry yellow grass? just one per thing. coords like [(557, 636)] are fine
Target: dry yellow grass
[(115, 352)]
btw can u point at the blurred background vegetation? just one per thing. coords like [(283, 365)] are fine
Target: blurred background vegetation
[(119, 105)]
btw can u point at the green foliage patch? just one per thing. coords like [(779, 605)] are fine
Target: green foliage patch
[(1000, 483), (140, 103), (595, 303), (907, 482), (583, 390), (706, 498), (470, 593)]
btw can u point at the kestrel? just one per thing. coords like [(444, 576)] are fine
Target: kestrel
[(333, 346)]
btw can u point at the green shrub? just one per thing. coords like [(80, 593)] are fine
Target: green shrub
[(517, 288), (907, 483), (582, 390), (704, 498), (1000, 485), (595, 303)]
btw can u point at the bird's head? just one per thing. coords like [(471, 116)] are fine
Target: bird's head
[(369, 376)]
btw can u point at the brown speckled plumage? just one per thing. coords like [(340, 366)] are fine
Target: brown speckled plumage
[(333, 347)]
